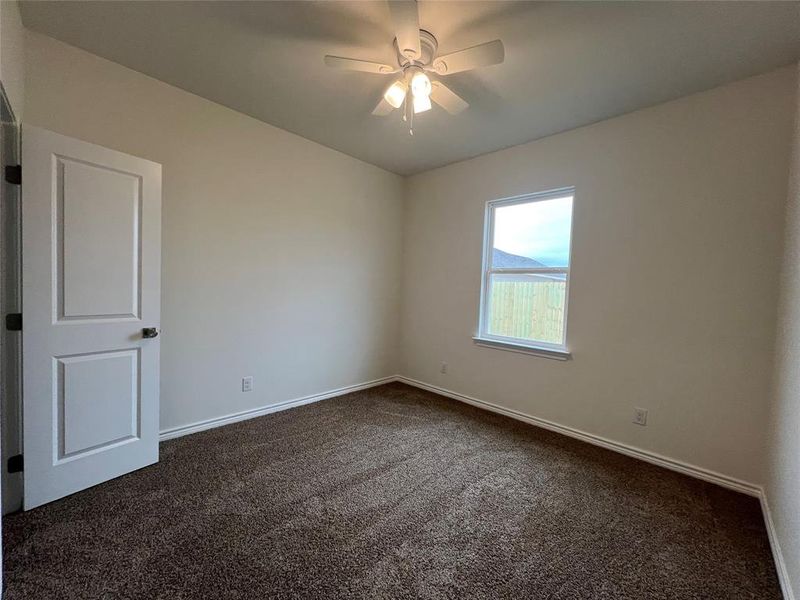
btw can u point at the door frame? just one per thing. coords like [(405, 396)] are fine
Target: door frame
[(11, 484)]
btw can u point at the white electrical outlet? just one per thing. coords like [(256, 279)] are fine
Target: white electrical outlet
[(443, 368), (640, 416), (247, 384)]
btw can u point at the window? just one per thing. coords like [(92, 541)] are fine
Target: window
[(526, 273)]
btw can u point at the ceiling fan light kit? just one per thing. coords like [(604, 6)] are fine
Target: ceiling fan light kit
[(417, 56)]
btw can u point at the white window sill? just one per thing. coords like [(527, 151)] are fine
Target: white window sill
[(523, 348)]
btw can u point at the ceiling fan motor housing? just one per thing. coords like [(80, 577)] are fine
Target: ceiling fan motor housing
[(428, 45)]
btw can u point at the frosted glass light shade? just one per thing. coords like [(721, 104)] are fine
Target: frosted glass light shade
[(395, 94)]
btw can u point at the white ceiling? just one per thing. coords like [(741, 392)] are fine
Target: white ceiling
[(567, 63)]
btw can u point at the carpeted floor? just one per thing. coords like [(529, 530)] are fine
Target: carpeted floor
[(391, 493)]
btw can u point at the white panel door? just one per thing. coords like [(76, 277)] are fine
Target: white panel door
[(91, 278)]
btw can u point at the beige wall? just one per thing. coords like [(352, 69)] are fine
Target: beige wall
[(281, 258), (783, 489), (12, 55), (677, 226)]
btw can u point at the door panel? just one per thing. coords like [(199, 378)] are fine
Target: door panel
[(91, 227), (99, 208), (101, 387)]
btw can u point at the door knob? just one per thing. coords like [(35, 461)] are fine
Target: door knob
[(149, 332)]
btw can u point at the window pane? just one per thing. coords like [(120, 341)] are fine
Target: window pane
[(527, 306), (533, 234)]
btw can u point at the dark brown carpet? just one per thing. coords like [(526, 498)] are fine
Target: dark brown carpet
[(391, 493)]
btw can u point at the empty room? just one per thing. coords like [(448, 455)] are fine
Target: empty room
[(400, 299)]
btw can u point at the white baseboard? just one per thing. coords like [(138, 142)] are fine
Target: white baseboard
[(651, 457), (657, 459), (181, 430), (777, 554)]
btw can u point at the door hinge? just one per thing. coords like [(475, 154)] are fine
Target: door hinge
[(14, 321), (16, 464), (14, 174)]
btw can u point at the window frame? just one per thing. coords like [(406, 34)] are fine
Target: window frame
[(483, 337)]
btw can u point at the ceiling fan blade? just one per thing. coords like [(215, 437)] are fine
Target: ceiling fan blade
[(405, 18), (354, 64), (383, 108), (447, 98), (483, 55)]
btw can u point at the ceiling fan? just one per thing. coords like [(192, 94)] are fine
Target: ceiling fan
[(416, 58)]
